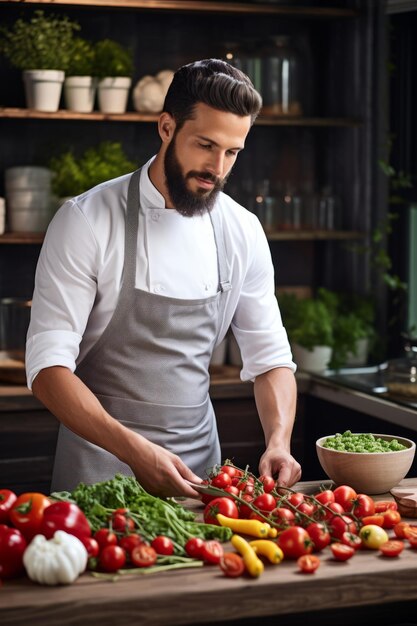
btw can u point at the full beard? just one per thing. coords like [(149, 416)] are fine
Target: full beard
[(189, 203)]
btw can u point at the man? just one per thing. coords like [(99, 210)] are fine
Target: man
[(138, 280)]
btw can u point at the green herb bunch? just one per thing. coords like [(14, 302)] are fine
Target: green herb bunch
[(41, 43), (308, 321), (82, 60), (112, 59), (73, 175)]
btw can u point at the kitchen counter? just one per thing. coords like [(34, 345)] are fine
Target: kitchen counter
[(368, 589)]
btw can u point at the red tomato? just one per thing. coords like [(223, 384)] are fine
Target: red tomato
[(319, 535), (282, 517), (402, 529), (232, 565), (244, 509), (384, 505), (91, 545), (268, 483), (376, 520), (244, 485), (143, 556), (308, 563), (352, 540), (163, 545), (212, 551), (265, 502), (341, 551), (345, 496), (363, 505), (222, 505), (391, 518), (128, 542), (26, 513), (112, 558), (231, 470), (341, 524), (221, 481), (12, 546), (294, 542), (306, 508), (295, 499), (393, 547), (325, 497), (105, 537), (412, 538), (7, 500), (331, 509), (194, 547), (234, 491), (122, 523)]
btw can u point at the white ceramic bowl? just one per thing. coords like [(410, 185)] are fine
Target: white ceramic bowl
[(367, 472)]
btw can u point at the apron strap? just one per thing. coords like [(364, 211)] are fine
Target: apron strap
[(131, 230), (223, 268)]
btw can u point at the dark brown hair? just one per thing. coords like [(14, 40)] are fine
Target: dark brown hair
[(215, 83)]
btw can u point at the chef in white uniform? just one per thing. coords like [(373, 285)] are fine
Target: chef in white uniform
[(138, 280)]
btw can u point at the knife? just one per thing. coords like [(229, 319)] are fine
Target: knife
[(206, 489)]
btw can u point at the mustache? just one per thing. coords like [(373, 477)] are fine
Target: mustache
[(205, 176)]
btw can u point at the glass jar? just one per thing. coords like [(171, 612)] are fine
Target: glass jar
[(401, 374), (281, 80)]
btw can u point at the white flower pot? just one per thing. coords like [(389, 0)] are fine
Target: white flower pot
[(361, 353), (113, 93), (80, 92), (28, 198), (315, 360), (43, 89)]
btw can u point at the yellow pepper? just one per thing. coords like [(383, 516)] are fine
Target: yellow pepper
[(269, 549), (252, 527), (254, 565)]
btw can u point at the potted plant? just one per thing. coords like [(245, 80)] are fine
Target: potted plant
[(114, 69), (41, 48), (72, 175), (80, 83), (309, 324)]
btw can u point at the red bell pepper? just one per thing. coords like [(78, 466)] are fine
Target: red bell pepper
[(7, 500), (12, 546), (65, 516)]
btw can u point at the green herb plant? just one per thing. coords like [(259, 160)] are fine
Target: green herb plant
[(308, 321), (112, 59), (72, 175), (41, 43), (82, 59)]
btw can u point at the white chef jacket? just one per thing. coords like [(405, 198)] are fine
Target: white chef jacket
[(79, 275)]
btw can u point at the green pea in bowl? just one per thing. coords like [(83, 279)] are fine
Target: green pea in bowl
[(370, 463)]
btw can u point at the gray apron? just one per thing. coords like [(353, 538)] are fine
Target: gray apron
[(149, 369)]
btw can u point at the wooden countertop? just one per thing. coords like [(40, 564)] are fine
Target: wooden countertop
[(205, 596)]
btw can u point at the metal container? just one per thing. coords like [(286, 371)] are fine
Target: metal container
[(14, 323), (401, 374)]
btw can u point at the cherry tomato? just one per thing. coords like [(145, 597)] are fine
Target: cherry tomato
[(391, 518), (265, 502), (221, 481), (128, 542), (384, 505), (295, 499), (268, 483), (282, 517), (308, 563), (306, 508), (412, 538), (319, 535), (373, 536), (7, 500), (345, 496), (26, 513), (325, 497), (212, 551), (163, 545), (352, 540), (194, 547), (222, 505), (12, 546), (363, 505), (231, 470), (244, 509), (232, 564), (403, 529), (341, 524), (232, 490), (244, 485), (294, 542), (112, 558), (393, 547), (105, 537), (375, 520), (91, 545), (143, 556), (341, 551), (122, 523), (331, 509)]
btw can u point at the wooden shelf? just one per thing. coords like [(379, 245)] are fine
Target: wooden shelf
[(203, 6), (288, 235), (132, 116)]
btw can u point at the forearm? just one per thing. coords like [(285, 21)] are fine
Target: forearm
[(275, 397), (70, 400)]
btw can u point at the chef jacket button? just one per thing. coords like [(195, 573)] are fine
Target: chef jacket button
[(155, 217), (158, 288)]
